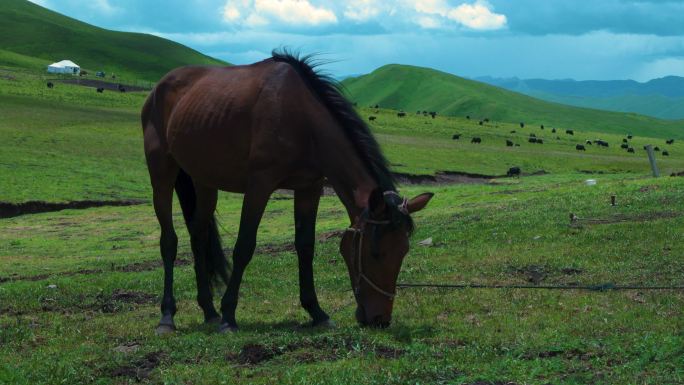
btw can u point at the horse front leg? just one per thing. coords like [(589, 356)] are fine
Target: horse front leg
[(253, 206), (305, 209)]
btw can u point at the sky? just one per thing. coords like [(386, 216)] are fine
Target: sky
[(549, 39)]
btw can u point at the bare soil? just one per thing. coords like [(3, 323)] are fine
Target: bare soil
[(9, 210), (103, 84)]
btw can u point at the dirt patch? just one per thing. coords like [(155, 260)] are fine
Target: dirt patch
[(570, 354), (122, 299), (133, 267), (103, 84), (9, 210), (316, 350), (623, 218), (140, 369), (442, 177), (535, 274)]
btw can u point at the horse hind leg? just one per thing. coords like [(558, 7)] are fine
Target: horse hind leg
[(198, 204), (162, 197)]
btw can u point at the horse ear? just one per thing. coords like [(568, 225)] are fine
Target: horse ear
[(376, 202), (419, 202)]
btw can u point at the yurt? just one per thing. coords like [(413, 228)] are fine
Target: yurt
[(64, 67)]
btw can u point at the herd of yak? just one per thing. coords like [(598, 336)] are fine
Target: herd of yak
[(533, 137)]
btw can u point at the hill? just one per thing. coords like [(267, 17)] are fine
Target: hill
[(661, 98), (33, 36), (416, 88)]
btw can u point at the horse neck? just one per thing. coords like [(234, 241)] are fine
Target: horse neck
[(345, 170)]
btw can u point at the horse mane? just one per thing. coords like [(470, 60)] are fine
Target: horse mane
[(330, 92)]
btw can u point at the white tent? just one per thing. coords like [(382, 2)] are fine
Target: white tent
[(64, 67)]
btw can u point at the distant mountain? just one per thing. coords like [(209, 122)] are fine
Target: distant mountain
[(415, 88), (33, 36), (662, 98)]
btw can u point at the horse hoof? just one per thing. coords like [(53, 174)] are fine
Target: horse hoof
[(165, 329), (226, 328)]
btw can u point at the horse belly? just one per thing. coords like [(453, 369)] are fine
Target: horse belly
[(213, 152)]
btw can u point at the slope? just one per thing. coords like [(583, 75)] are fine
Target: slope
[(416, 88), (661, 98), (29, 30)]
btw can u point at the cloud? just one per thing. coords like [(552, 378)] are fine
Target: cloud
[(477, 16), (255, 13), (362, 10)]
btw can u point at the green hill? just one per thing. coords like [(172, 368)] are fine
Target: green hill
[(414, 88), (33, 37)]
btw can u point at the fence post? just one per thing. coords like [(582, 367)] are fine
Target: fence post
[(651, 158)]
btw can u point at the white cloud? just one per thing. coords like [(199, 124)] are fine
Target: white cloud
[(428, 22), (433, 7), (362, 10), (254, 13), (477, 16)]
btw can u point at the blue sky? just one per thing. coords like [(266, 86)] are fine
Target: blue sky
[(552, 39)]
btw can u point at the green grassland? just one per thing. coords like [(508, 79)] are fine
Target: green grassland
[(35, 36), (415, 88), (96, 324)]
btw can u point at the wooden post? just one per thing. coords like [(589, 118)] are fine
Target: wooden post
[(651, 158)]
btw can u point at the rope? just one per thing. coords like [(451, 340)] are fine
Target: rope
[(600, 287)]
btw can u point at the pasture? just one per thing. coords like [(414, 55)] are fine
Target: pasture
[(80, 289)]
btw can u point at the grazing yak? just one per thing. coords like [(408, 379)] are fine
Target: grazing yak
[(533, 136), (542, 126), (570, 132), (513, 171), (513, 132), (372, 118), (656, 148), (589, 142), (629, 137), (486, 120), (509, 143), (624, 145), (624, 140), (522, 125), (580, 147), (602, 143), (553, 130), (480, 123), (540, 141), (476, 140), (468, 117), (433, 114), (401, 114), (456, 136), (50, 85), (100, 90), (631, 149), (669, 141), (665, 153), (532, 140)]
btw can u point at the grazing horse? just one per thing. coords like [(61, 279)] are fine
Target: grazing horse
[(276, 124)]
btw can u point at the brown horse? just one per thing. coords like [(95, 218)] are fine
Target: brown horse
[(276, 124)]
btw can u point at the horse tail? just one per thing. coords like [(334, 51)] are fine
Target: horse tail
[(216, 264)]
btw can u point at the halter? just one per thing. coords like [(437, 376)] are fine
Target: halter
[(359, 244)]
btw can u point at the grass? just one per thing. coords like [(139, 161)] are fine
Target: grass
[(80, 289), (415, 88), (31, 33)]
